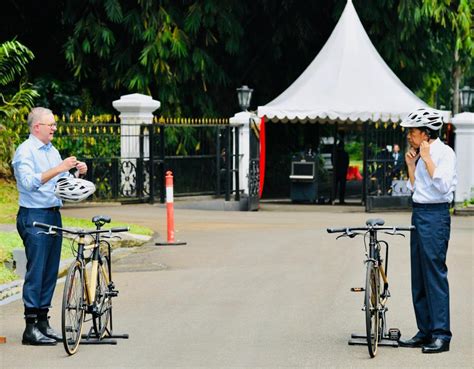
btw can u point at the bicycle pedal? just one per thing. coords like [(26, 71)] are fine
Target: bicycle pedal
[(113, 293), (357, 289), (394, 334)]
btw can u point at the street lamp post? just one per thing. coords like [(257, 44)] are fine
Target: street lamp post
[(466, 97), (244, 94)]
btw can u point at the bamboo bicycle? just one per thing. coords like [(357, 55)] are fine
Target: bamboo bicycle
[(376, 284), (89, 287)]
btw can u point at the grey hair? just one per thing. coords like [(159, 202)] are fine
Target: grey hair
[(36, 114)]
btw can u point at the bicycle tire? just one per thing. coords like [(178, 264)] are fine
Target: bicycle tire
[(103, 301), (371, 301), (73, 308)]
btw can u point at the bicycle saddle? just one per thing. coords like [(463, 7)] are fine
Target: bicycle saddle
[(375, 222), (101, 219)]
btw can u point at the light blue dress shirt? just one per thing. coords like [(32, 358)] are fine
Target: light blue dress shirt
[(32, 158)]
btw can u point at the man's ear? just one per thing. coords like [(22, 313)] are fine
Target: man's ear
[(426, 136)]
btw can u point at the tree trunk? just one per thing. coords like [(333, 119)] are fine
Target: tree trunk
[(456, 81)]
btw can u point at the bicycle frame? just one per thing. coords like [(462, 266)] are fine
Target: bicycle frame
[(375, 255), (91, 280), (88, 290), (375, 300)]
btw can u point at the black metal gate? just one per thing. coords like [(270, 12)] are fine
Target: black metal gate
[(384, 175), (199, 156), (254, 167)]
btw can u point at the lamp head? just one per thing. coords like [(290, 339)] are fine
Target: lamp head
[(244, 94)]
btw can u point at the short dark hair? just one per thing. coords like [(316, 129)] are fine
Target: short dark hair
[(431, 133)]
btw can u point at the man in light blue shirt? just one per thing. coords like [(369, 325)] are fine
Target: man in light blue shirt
[(38, 166), (432, 179)]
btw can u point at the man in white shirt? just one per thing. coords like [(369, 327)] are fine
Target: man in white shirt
[(432, 179)]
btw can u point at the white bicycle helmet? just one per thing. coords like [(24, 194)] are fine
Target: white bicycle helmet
[(73, 189), (423, 118)]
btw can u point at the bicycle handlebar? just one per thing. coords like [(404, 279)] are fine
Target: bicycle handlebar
[(52, 228), (370, 228)]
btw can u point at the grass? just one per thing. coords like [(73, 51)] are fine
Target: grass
[(11, 240), (8, 242), (8, 201), (87, 224)]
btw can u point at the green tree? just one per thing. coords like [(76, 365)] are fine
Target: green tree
[(13, 60), (447, 42), (164, 48)]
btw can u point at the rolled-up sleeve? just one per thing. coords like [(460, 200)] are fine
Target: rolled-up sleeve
[(445, 173), (24, 169)]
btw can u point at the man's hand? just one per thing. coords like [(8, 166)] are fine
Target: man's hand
[(425, 150), (425, 155), (66, 165), (411, 157), (81, 167), (69, 163)]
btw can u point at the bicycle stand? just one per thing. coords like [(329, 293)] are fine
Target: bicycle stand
[(359, 339), (92, 339)]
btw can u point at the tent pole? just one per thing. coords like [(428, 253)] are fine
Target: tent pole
[(364, 181), (334, 183)]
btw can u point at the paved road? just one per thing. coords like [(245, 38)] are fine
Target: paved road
[(267, 289)]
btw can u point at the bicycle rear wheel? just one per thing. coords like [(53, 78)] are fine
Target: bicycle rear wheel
[(103, 301), (372, 293), (73, 308)]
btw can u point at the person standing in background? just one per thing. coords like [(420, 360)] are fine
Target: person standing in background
[(397, 161)]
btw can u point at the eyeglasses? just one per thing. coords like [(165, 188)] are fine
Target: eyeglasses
[(50, 125)]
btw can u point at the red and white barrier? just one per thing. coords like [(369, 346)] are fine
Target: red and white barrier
[(170, 212), (169, 205)]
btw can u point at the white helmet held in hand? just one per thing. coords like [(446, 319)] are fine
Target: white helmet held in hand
[(423, 118), (73, 189)]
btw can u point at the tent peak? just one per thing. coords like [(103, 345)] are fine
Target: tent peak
[(347, 80)]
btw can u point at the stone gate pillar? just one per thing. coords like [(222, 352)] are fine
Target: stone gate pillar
[(242, 120), (249, 159), (135, 110), (464, 148)]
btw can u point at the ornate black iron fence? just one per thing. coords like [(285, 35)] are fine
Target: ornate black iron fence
[(131, 166), (385, 172), (199, 153)]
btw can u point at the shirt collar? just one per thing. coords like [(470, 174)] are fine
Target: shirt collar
[(436, 143), (38, 144)]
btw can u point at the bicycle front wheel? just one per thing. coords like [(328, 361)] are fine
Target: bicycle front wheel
[(372, 294), (73, 308), (103, 301)]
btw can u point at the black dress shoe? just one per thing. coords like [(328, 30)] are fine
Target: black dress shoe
[(414, 342), (438, 345), (33, 336), (45, 328)]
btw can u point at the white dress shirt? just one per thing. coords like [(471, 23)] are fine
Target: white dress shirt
[(440, 188)]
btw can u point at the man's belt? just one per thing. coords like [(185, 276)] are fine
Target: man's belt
[(54, 208)]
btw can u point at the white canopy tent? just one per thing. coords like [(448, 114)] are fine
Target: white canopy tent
[(348, 81)]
